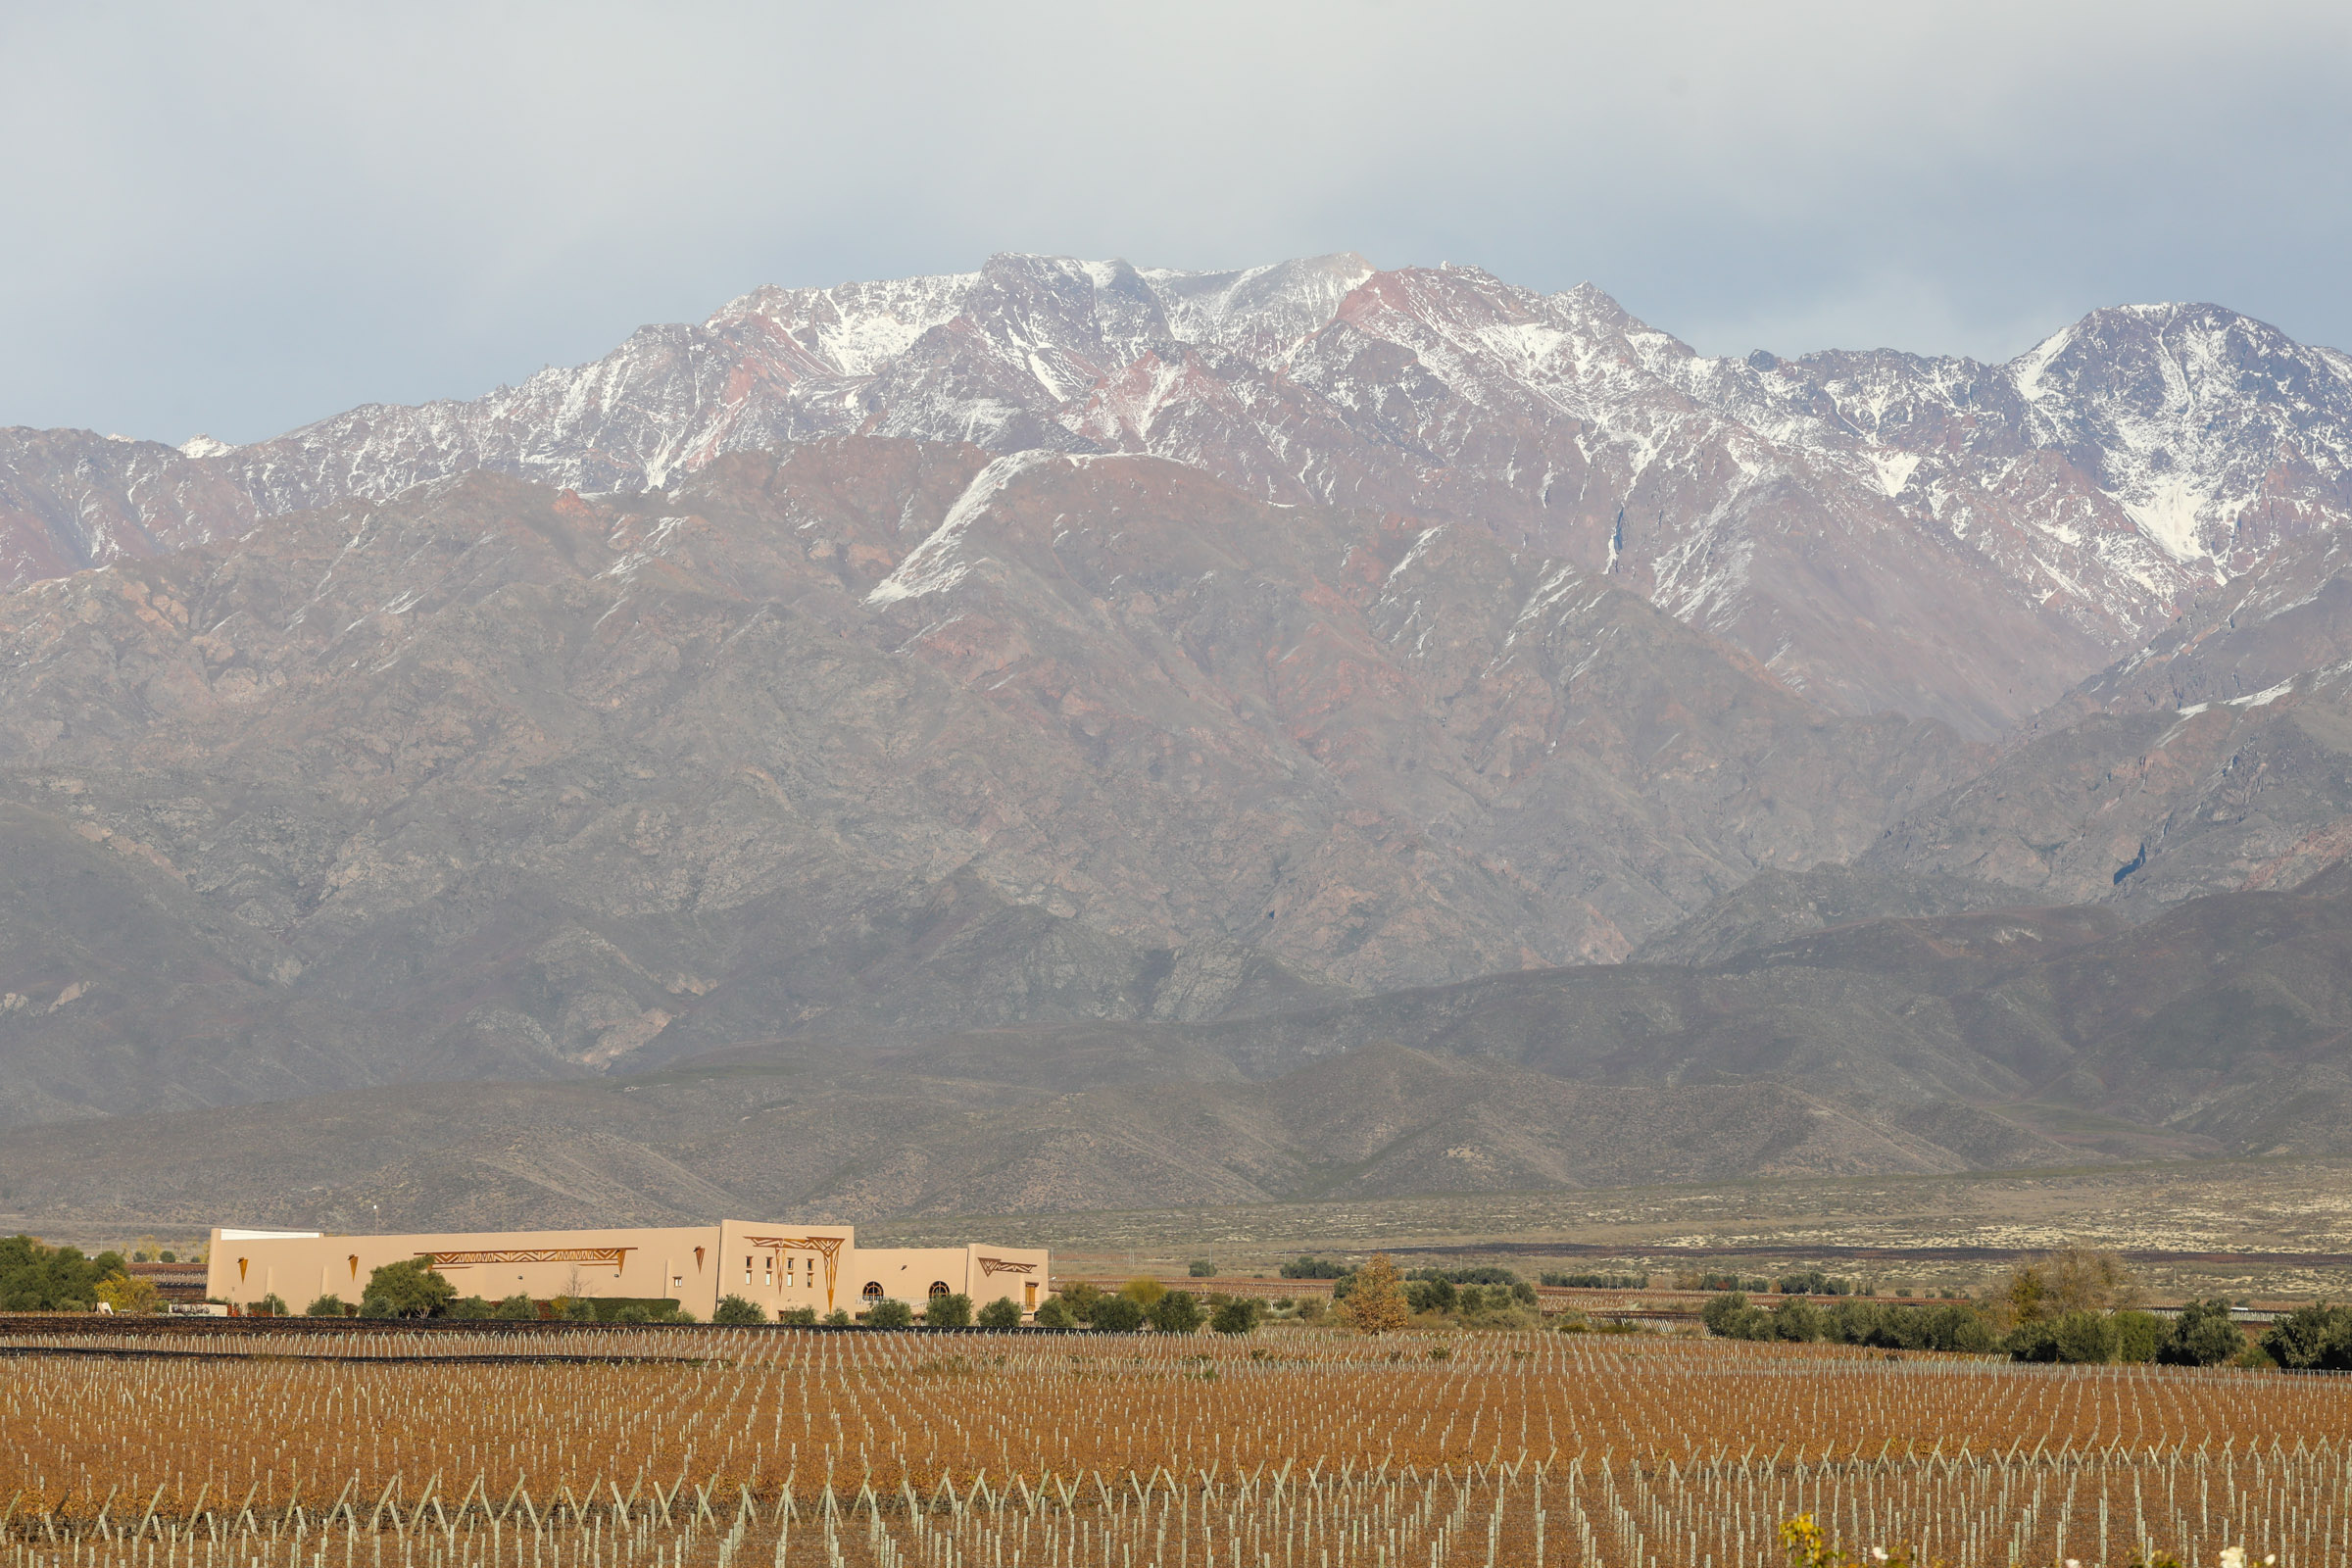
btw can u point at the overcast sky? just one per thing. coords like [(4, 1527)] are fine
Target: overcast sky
[(235, 219)]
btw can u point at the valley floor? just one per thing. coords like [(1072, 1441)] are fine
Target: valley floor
[(2249, 1228)]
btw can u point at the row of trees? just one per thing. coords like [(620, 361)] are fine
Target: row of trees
[(1145, 1302), (35, 1277), (2074, 1305)]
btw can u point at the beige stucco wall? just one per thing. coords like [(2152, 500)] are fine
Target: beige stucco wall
[(777, 1265), (643, 1262)]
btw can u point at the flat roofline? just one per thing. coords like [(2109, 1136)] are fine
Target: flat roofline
[(230, 1234)]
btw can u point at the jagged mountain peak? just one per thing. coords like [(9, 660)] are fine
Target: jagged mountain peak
[(1882, 529)]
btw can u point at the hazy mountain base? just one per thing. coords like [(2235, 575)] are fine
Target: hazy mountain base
[(1997, 1039)]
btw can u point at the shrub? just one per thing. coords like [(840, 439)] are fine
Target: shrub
[(1798, 1319), (2079, 1337), (2311, 1339), (1313, 1268), (635, 1312), (1961, 1328), (738, 1309), (889, 1314), (2203, 1335), (515, 1308), (467, 1307), (1432, 1295), (1056, 1315), (326, 1306), (951, 1311), (1812, 1282), (270, 1305), (1081, 1298), (1143, 1291), (1235, 1317), (1201, 1268), (406, 1289), (1730, 1316), (1633, 1282), (1118, 1314), (838, 1318), (1002, 1313), (800, 1316), (2138, 1336), (575, 1309), (1177, 1312)]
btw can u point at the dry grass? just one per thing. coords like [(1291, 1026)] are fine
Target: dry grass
[(1296, 1448)]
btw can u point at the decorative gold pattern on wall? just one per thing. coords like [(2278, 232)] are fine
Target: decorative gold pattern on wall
[(618, 1256), (826, 1247), (1004, 1265)]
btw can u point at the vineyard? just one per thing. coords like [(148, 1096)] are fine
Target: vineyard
[(681, 1447)]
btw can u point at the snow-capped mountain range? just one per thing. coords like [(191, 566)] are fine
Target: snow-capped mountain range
[(1881, 530)]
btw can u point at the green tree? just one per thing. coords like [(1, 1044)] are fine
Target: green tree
[(739, 1310), (838, 1318), (469, 1308), (2079, 1337), (408, 1287), (1055, 1313), (889, 1314), (327, 1306), (1798, 1319), (575, 1308), (1002, 1313), (1143, 1291), (1201, 1268), (1427, 1295), (797, 1316), (1118, 1314), (1080, 1298), (1177, 1312), (515, 1308), (1724, 1310), (2203, 1335), (2316, 1337), (1237, 1316), (2138, 1336), (953, 1310), (271, 1305)]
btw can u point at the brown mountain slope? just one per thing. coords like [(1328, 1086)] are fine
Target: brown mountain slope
[(868, 742), (2219, 758)]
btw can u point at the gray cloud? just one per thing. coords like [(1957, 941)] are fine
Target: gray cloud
[(240, 219)]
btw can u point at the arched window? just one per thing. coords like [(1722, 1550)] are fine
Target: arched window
[(939, 1287), (873, 1289)]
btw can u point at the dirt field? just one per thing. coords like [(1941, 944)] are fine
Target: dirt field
[(455, 1449)]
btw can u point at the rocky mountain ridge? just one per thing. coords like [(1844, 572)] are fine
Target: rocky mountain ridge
[(875, 737), (1935, 536)]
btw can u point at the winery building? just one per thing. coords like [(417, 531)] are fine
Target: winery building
[(781, 1267)]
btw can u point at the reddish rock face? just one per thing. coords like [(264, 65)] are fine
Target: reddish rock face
[(879, 737), (1881, 531)]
